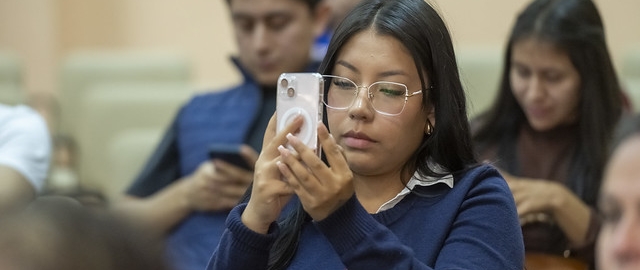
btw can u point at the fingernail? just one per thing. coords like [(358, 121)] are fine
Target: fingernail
[(292, 139), (282, 150)]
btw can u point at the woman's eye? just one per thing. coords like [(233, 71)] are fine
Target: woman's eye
[(391, 92), (522, 72), (343, 84), (553, 77), (610, 215)]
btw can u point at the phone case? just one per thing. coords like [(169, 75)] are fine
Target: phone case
[(301, 94), (229, 153)]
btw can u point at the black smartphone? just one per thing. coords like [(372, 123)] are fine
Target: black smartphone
[(229, 153)]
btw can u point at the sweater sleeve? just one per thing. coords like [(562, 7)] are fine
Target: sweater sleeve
[(240, 247), (484, 235)]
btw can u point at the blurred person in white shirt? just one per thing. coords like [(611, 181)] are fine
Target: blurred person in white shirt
[(25, 154)]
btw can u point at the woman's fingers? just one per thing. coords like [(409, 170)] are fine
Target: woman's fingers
[(273, 138), (291, 167), (306, 165), (332, 151)]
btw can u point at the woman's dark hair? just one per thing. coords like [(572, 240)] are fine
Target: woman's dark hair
[(628, 127), (421, 30), (574, 27)]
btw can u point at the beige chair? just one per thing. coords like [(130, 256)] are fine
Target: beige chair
[(10, 79), (630, 76), (126, 154), (111, 110), (632, 88), (82, 70), (480, 69), (631, 63)]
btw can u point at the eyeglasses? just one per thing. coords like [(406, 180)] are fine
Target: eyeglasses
[(387, 98)]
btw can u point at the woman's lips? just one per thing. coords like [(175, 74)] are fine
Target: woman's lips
[(536, 112), (357, 140)]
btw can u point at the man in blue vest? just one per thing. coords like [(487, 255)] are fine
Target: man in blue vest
[(183, 194)]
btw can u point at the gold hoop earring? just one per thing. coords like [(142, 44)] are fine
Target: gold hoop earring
[(429, 129)]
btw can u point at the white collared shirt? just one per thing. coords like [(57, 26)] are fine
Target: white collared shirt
[(415, 181)]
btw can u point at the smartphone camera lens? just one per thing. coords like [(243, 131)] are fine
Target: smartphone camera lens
[(284, 83)]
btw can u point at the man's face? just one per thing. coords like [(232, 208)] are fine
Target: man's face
[(273, 36)]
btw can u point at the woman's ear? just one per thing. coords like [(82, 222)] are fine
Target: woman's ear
[(429, 126)]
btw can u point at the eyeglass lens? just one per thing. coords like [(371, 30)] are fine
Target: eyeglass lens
[(385, 97)]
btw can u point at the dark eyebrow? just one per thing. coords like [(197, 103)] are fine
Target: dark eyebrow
[(272, 14), (347, 65), (381, 75), (392, 73)]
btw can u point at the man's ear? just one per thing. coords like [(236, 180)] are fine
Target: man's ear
[(321, 13)]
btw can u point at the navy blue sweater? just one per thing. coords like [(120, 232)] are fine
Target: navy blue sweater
[(474, 225)]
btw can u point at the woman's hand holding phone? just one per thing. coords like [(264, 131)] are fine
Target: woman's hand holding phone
[(322, 188), (269, 194)]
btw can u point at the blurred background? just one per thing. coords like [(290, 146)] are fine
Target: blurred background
[(110, 75)]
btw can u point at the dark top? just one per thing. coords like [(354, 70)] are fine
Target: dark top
[(473, 225), (546, 155)]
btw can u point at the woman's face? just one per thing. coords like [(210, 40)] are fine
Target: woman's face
[(545, 83), (619, 238), (375, 143)]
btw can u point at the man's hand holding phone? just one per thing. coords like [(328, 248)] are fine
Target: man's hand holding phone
[(218, 184)]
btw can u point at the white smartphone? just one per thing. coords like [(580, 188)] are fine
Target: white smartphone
[(301, 94)]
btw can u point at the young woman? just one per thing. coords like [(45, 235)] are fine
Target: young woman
[(401, 188), (550, 125), (619, 238)]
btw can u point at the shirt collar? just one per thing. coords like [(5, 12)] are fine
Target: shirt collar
[(416, 180)]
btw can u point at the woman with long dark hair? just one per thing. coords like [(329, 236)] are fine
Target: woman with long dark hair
[(551, 123), (400, 188)]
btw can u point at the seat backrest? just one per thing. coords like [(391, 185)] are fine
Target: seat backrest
[(109, 110), (10, 79), (82, 70), (480, 69), (631, 63), (631, 87), (126, 154)]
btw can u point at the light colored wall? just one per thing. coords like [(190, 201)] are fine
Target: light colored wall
[(200, 29), (28, 29), (43, 32), (488, 22)]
